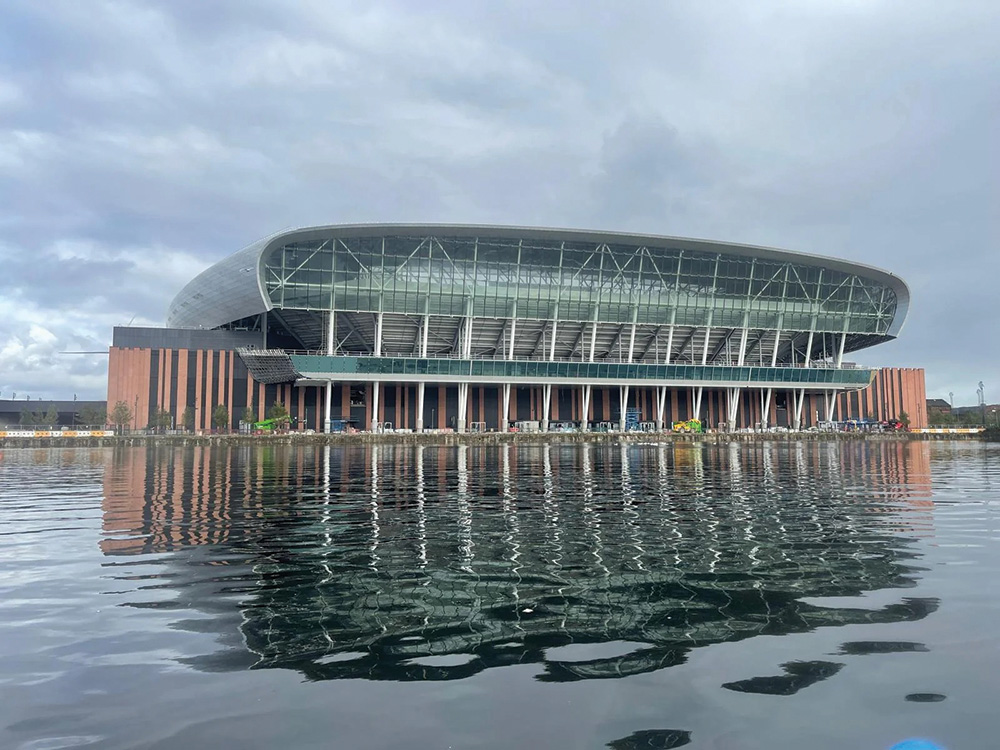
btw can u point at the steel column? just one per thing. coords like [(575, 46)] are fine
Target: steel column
[(623, 393), (546, 403), (463, 407), (327, 406), (505, 421), (765, 415), (421, 387)]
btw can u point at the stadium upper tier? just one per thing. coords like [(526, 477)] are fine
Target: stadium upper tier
[(548, 294)]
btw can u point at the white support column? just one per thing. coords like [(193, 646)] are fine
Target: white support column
[(513, 331), (670, 335), (741, 358), (505, 419), (799, 398), (700, 390), (631, 335), (733, 406), (376, 388), (661, 407), (378, 334), (593, 332), (467, 338), (420, 406), (840, 351), (328, 406), (425, 327), (585, 409), (765, 407), (830, 399), (555, 328), (331, 333), (777, 340), (331, 337), (546, 404), (624, 405), (463, 406)]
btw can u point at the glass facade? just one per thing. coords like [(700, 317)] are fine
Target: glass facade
[(533, 278), (501, 370)]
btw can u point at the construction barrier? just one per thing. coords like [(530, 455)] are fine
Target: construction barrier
[(948, 430), (54, 433)]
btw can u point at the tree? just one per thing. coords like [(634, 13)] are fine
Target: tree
[(939, 419), (92, 416), (904, 419), (187, 418), (249, 416), (51, 416), (278, 412), (121, 415), (162, 419), (29, 417), (220, 416)]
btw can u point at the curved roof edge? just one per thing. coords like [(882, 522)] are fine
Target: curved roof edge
[(253, 300), (228, 290)]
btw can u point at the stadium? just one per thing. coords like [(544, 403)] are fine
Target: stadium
[(482, 328)]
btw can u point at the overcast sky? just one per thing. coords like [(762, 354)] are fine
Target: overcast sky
[(142, 141)]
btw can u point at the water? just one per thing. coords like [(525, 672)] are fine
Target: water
[(785, 595)]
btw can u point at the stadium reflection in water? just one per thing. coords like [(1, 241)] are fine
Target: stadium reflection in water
[(433, 563)]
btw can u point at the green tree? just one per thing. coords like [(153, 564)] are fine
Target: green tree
[(121, 415), (92, 416), (904, 418), (51, 416), (939, 419), (187, 418), (220, 416), (28, 418), (249, 416), (162, 420), (278, 412)]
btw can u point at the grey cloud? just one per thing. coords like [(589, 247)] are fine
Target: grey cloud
[(180, 131)]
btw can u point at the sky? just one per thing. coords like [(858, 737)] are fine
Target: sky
[(140, 142)]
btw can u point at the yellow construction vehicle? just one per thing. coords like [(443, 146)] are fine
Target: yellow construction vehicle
[(690, 425)]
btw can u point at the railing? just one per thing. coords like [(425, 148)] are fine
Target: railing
[(814, 365)]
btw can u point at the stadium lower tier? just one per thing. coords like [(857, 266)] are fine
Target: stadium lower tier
[(189, 384)]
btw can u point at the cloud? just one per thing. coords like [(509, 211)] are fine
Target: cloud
[(141, 141)]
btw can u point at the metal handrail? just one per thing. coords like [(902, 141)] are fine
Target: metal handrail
[(496, 358)]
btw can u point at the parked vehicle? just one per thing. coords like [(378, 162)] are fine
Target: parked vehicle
[(690, 425)]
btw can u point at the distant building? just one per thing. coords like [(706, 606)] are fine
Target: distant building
[(480, 327), (71, 413), (937, 407)]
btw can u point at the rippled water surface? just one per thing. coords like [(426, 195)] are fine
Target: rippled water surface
[(820, 595)]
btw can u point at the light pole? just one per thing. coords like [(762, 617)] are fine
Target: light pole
[(981, 392)]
